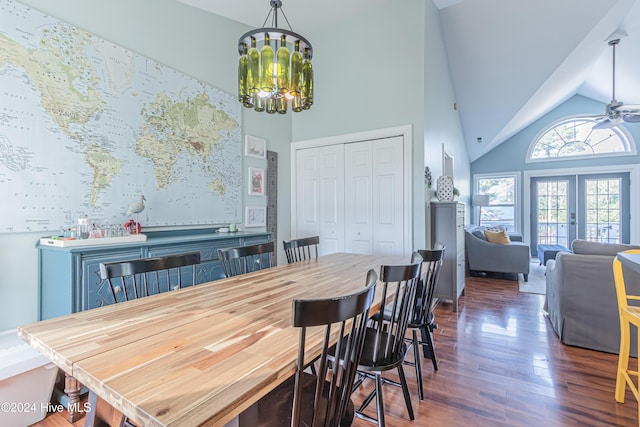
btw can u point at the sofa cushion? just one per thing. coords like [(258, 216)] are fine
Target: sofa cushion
[(585, 247), (479, 233), (499, 236)]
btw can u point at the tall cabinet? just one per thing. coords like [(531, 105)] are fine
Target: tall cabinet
[(447, 228)]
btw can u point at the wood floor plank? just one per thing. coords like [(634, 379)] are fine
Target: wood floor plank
[(501, 364)]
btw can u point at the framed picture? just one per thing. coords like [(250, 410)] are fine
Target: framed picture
[(256, 182), (255, 216), (255, 147)]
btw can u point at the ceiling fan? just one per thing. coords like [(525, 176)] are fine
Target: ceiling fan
[(616, 112)]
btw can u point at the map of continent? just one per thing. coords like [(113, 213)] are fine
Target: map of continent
[(88, 126)]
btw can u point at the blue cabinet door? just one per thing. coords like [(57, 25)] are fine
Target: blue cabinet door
[(95, 292), (209, 268)]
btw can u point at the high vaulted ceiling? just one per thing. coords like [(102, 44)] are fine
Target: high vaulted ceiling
[(511, 62)]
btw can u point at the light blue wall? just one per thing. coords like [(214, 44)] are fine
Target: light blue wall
[(386, 68), (198, 44), (510, 156), (442, 128), (393, 61)]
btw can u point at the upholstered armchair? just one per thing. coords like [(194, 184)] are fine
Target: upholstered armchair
[(484, 256)]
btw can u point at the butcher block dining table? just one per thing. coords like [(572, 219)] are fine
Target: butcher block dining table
[(200, 355)]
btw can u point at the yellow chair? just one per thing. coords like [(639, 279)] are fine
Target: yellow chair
[(629, 315)]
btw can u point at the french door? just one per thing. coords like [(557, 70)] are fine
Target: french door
[(593, 207)]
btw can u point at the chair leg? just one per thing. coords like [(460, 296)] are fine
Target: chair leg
[(416, 358), (427, 336), (379, 400), (405, 391), (623, 361)]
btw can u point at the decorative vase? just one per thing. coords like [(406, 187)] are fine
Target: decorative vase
[(444, 190)]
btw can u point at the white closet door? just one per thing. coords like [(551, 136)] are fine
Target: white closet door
[(374, 204), (320, 196), (358, 189), (387, 197)]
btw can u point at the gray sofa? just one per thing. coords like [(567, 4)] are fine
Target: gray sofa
[(484, 256), (581, 297)]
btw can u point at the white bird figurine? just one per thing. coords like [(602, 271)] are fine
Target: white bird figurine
[(136, 207)]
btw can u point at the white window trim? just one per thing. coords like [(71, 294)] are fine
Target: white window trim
[(626, 136), (517, 200)]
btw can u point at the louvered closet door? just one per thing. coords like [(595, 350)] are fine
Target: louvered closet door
[(320, 196)]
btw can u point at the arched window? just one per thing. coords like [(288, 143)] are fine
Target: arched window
[(575, 137)]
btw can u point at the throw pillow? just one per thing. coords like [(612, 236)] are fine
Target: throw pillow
[(497, 235)]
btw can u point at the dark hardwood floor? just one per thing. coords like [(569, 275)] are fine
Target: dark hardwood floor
[(501, 364)]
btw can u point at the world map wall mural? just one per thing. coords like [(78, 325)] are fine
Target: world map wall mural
[(87, 126)]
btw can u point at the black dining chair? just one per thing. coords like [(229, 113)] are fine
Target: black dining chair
[(245, 259), (385, 346), (136, 278), (422, 319), (301, 249), (322, 399)]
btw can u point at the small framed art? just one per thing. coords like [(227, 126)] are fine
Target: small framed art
[(255, 216), (256, 182), (255, 147)]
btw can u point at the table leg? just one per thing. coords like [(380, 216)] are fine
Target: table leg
[(72, 389)]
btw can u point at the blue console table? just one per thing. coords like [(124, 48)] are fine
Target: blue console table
[(69, 277)]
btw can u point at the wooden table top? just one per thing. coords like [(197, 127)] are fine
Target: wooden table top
[(199, 355)]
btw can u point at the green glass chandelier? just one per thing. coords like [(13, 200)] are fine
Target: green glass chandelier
[(275, 67)]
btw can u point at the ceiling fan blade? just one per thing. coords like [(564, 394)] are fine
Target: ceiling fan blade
[(628, 109), (631, 118), (607, 123)]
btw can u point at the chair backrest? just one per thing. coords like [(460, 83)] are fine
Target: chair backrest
[(621, 288), (301, 249), (348, 316), (399, 282), (245, 259), (138, 278), (431, 262)]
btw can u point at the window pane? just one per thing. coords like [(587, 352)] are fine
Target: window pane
[(502, 195), (552, 212), (498, 216), (575, 137), (500, 190), (603, 210)]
